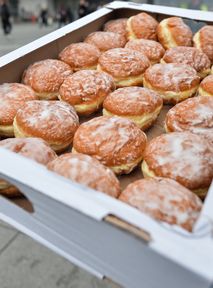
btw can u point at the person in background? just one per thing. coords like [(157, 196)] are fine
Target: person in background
[(62, 16), (69, 15), (5, 17), (43, 16), (83, 8)]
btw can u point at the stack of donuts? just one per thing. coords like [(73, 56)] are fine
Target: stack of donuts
[(86, 115)]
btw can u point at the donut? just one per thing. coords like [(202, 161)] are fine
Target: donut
[(142, 105), (117, 26), (174, 32), (12, 97), (203, 40), (80, 56), (86, 90), (88, 171), (194, 115), (32, 148), (164, 200), (175, 82), (106, 40), (45, 77), (143, 26), (190, 56), (206, 86), (116, 142), (53, 121), (124, 65), (181, 156), (152, 49)]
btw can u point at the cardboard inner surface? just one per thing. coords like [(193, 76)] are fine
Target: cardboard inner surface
[(51, 50)]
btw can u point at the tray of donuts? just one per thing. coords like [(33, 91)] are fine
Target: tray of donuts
[(114, 117)]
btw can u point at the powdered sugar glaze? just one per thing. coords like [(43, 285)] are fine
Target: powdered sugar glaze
[(182, 156)]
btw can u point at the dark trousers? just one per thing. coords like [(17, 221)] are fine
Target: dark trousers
[(6, 25)]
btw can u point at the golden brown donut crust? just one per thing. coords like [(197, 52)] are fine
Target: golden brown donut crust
[(123, 63), (152, 49), (33, 148), (53, 121), (143, 25), (165, 200), (88, 171), (188, 55), (117, 26), (181, 156), (172, 77), (205, 40), (207, 85), (46, 76), (86, 87), (132, 101), (194, 115), (12, 97), (80, 55), (180, 33), (112, 140), (106, 40)]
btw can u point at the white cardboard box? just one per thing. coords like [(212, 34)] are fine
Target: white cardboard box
[(74, 221)]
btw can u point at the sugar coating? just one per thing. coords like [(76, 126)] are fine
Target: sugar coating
[(88, 171), (33, 148), (137, 101), (80, 55), (182, 156), (122, 62), (86, 86), (172, 77), (165, 200), (188, 55), (49, 119), (152, 49), (195, 115), (112, 140), (106, 40), (46, 75), (12, 97)]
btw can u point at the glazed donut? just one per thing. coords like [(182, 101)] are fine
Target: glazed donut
[(164, 200), (194, 115), (80, 56), (174, 32), (152, 49), (125, 66), (106, 40), (32, 148), (117, 26), (142, 105), (12, 97), (45, 77), (116, 142), (203, 40), (206, 86), (182, 156), (53, 121), (143, 26), (191, 56), (175, 82), (86, 90), (88, 171)]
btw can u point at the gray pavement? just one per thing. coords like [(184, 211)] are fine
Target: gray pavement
[(23, 262)]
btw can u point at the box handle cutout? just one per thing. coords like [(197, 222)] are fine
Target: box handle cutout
[(125, 226)]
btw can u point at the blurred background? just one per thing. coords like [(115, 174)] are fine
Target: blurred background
[(23, 262), (27, 20)]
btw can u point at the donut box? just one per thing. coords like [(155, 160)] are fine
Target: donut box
[(96, 232)]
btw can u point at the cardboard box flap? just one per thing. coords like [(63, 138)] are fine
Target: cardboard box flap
[(166, 10)]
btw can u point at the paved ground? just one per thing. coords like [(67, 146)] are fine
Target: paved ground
[(23, 262)]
